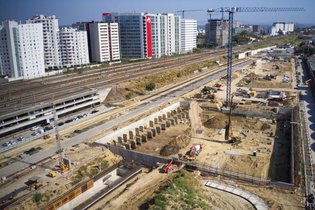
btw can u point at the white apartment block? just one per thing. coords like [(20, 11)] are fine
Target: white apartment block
[(104, 41), (146, 35), (188, 35), (281, 27), (166, 34), (73, 47), (21, 50), (51, 39)]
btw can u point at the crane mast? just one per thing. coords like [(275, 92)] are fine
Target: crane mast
[(59, 148), (231, 11)]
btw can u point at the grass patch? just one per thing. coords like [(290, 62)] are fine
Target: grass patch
[(183, 192), (37, 197), (90, 170)]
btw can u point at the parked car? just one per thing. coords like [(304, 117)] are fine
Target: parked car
[(60, 124), (35, 133), (48, 128), (34, 128), (21, 138), (94, 111), (69, 121), (6, 144)]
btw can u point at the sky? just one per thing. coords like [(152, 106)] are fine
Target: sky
[(71, 11)]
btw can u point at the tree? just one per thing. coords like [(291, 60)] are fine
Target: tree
[(150, 86)]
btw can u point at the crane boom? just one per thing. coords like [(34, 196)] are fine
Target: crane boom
[(268, 9), (190, 10)]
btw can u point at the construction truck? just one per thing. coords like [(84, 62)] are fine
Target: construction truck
[(194, 151), (52, 174)]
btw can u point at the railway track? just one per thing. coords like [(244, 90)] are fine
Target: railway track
[(20, 85), (59, 91), (15, 92)]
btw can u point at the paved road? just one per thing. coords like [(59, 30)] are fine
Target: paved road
[(307, 106), (141, 109)]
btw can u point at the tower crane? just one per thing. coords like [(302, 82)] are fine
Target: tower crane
[(64, 165), (191, 10), (231, 11)]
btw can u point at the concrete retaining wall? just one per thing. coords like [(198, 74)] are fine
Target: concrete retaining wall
[(137, 157), (143, 122), (253, 52)]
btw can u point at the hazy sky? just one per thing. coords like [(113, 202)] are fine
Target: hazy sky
[(70, 11)]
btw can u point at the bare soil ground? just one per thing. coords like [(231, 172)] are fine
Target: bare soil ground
[(218, 153), (278, 199), (53, 187), (155, 145), (135, 192), (275, 68)]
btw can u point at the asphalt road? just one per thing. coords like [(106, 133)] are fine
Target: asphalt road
[(141, 109)]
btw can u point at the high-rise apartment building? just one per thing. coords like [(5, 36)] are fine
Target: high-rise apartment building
[(281, 28), (188, 35), (145, 35), (217, 32), (51, 39), (21, 50), (73, 47), (104, 41)]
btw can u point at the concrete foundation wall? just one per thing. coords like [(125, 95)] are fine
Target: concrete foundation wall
[(143, 122), (253, 52), (140, 158)]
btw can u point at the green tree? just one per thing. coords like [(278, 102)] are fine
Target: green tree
[(150, 86)]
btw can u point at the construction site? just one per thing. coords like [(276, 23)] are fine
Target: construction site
[(213, 132)]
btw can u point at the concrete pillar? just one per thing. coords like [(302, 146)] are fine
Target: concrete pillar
[(141, 128), (128, 146), (176, 120), (168, 114), (164, 116), (158, 129), (125, 137), (168, 124), (133, 144), (149, 134), (173, 112), (179, 109), (137, 132), (153, 132), (151, 123), (179, 117), (160, 119), (172, 121), (156, 121), (124, 147), (115, 143), (163, 127), (186, 115), (120, 139), (138, 140), (144, 138), (130, 134), (183, 115)]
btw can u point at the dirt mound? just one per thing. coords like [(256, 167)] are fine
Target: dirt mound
[(176, 144), (258, 125), (169, 150), (216, 122)]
